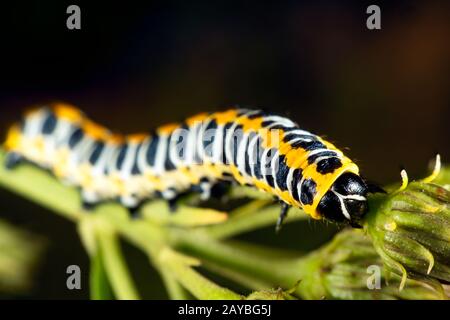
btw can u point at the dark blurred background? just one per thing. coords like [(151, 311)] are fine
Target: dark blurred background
[(383, 94)]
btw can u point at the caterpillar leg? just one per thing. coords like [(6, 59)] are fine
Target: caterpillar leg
[(283, 214), (172, 197), (173, 204), (12, 160), (89, 200), (210, 190), (219, 190), (88, 206), (133, 204), (135, 211), (205, 189)]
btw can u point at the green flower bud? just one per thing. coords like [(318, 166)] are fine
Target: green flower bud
[(350, 268), (410, 229)]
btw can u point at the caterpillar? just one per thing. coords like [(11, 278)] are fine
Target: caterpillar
[(237, 146)]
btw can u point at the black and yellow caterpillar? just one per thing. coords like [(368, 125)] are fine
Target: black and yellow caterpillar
[(243, 146)]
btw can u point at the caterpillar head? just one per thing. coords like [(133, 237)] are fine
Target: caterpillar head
[(346, 200)]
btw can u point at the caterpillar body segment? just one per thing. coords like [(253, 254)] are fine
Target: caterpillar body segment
[(236, 146)]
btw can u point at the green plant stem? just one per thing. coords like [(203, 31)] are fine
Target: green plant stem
[(98, 280), (174, 289), (198, 285), (245, 280), (247, 222), (114, 263), (253, 267), (40, 187)]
